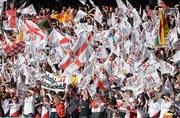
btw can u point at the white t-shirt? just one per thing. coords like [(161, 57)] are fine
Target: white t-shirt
[(29, 105), (99, 109), (14, 107)]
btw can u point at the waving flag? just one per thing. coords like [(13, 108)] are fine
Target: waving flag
[(121, 5), (98, 15), (67, 16), (11, 13), (80, 14), (31, 27), (166, 68), (163, 29), (19, 10), (44, 23), (29, 10), (78, 55), (83, 1), (63, 41)]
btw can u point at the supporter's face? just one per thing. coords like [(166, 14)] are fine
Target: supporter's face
[(56, 100), (28, 94), (147, 8), (111, 9), (45, 99), (2, 89), (39, 109)]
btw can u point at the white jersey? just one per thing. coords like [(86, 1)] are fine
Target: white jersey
[(14, 109), (29, 105)]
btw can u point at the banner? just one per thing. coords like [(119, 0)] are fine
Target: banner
[(152, 79), (166, 68), (51, 82)]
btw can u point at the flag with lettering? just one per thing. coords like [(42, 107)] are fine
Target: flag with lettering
[(166, 68)]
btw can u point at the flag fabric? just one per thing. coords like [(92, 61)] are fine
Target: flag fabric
[(19, 10), (44, 23), (31, 27), (176, 57), (156, 41), (129, 6), (154, 108), (167, 86), (63, 41), (11, 13), (166, 67), (29, 10), (67, 16), (77, 55), (121, 5), (152, 79), (173, 37), (162, 4), (20, 37), (155, 35), (98, 15), (83, 1), (136, 19), (163, 29), (80, 14), (15, 48)]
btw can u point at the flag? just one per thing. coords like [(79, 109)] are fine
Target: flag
[(166, 67), (163, 29), (29, 10), (19, 10), (44, 23), (20, 37), (155, 35), (98, 15), (152, 79), (173, 36), (144, 16), (129, 6), (80, 14), (67, 16), (162, 4), (92, 3), (176, 57), (167, 86), (31, 27), (74, 80), (113, 20), (78, 54), (156, 41), (83, 1), (121, 5), (140, 10), (63, 41), (136, 19), (154, 108), (11, 13)]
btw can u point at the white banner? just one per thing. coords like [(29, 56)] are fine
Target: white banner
[(166, 68), (152, 80), (52, 82)]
